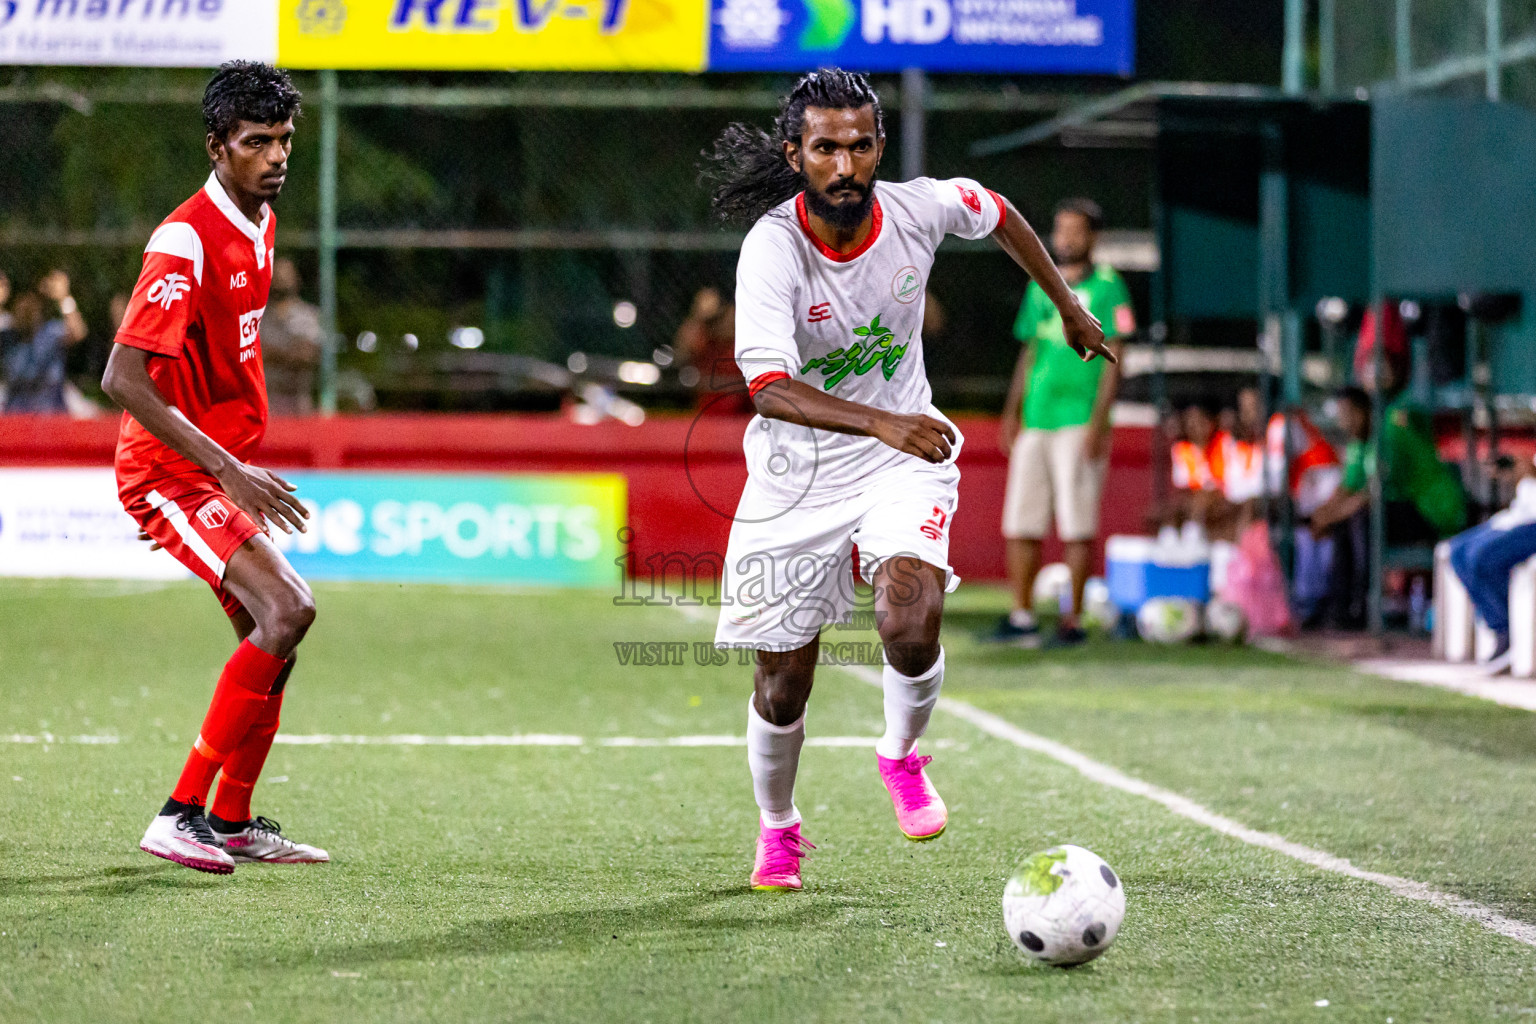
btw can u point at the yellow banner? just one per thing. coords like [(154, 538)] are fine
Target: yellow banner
[(494, 35)]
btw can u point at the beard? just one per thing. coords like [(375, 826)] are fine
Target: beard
[(1067, 259), (843, 216)]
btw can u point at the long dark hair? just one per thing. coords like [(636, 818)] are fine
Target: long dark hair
[(745, 169)]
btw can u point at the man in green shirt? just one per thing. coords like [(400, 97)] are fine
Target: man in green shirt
[(1422, 496), (1055, 426)]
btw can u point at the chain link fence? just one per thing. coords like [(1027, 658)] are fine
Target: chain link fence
[(558, 218), (1455, 47)]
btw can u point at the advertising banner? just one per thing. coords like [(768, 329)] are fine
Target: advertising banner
[(559, 529), (159, 33), (68, 522), (1019, 36), (525, 35)]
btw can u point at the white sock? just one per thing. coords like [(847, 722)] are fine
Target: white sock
[(909, 704), (1022, 618), (773, 755)]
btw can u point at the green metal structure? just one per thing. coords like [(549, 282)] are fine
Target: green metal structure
[(1267, 203)]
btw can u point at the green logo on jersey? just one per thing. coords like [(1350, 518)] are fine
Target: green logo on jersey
[(877, 349)]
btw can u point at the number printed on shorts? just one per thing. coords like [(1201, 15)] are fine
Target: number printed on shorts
[(933, 529)]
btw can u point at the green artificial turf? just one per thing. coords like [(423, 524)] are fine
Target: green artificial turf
[(602, 883)]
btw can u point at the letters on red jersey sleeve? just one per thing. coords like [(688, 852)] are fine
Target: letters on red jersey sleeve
[(164, 302), (969, 210)]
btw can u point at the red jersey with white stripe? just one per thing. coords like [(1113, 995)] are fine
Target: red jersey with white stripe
[(197, 308)]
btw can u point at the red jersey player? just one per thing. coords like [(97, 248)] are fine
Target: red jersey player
[(186, 368)]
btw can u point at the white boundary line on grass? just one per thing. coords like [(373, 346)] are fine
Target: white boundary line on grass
[(1105, 775), (49, 738), (549, 740), (515, 740), (1472, 680)]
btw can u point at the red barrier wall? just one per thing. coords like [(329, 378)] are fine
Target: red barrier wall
[(684, 473)]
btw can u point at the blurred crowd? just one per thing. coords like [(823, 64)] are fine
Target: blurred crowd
[(41, 328), (1228, 463)]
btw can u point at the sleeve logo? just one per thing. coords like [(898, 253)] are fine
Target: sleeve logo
[(969, 197), (168, 289)]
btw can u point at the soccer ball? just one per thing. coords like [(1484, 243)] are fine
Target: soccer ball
[(1063, 906), (1168, 620), (1224, 620), (1098, 609)]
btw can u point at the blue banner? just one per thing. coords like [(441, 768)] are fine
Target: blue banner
[(1018, 36), (559, 529)]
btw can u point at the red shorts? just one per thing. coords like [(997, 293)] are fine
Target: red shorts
[(198, 524)]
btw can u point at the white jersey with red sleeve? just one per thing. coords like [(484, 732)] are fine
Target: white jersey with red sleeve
[(196, 309), (849, 324)]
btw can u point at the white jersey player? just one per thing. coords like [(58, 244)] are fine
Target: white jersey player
[(847, 449)]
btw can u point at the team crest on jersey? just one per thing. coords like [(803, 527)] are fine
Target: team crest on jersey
[(969, 197), (213, 515), (168, 289), (877, 349), (907, 285)]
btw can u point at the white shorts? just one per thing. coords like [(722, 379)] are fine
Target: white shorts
[(789, 572), (1048, 473)]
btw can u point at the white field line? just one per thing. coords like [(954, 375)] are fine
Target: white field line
[(1104, 775), (1472, 680), (49, 738), (515, 740), (549, 740)]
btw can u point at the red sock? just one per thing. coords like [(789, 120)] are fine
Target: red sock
[(243, 768), (237, 701)]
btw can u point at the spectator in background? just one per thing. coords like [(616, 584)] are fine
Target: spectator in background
[(1315, 472), (45, 324), (1191, 480), (1237, 467), (1314, 476), (1422, 496), (117, 308), (705, 344), (1485, 555), (290, 344), (1055, 426), (1381, 325), (5, 297)]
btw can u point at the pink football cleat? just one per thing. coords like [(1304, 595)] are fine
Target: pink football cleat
[(920, 811), (184, 838), (778, 858)]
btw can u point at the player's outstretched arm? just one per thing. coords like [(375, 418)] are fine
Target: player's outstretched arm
[(262, 494), (797, 402), (1084, 333)]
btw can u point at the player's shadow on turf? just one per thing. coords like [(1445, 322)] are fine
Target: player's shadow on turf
[(1485, 730), (600, 927), (118, 881)]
